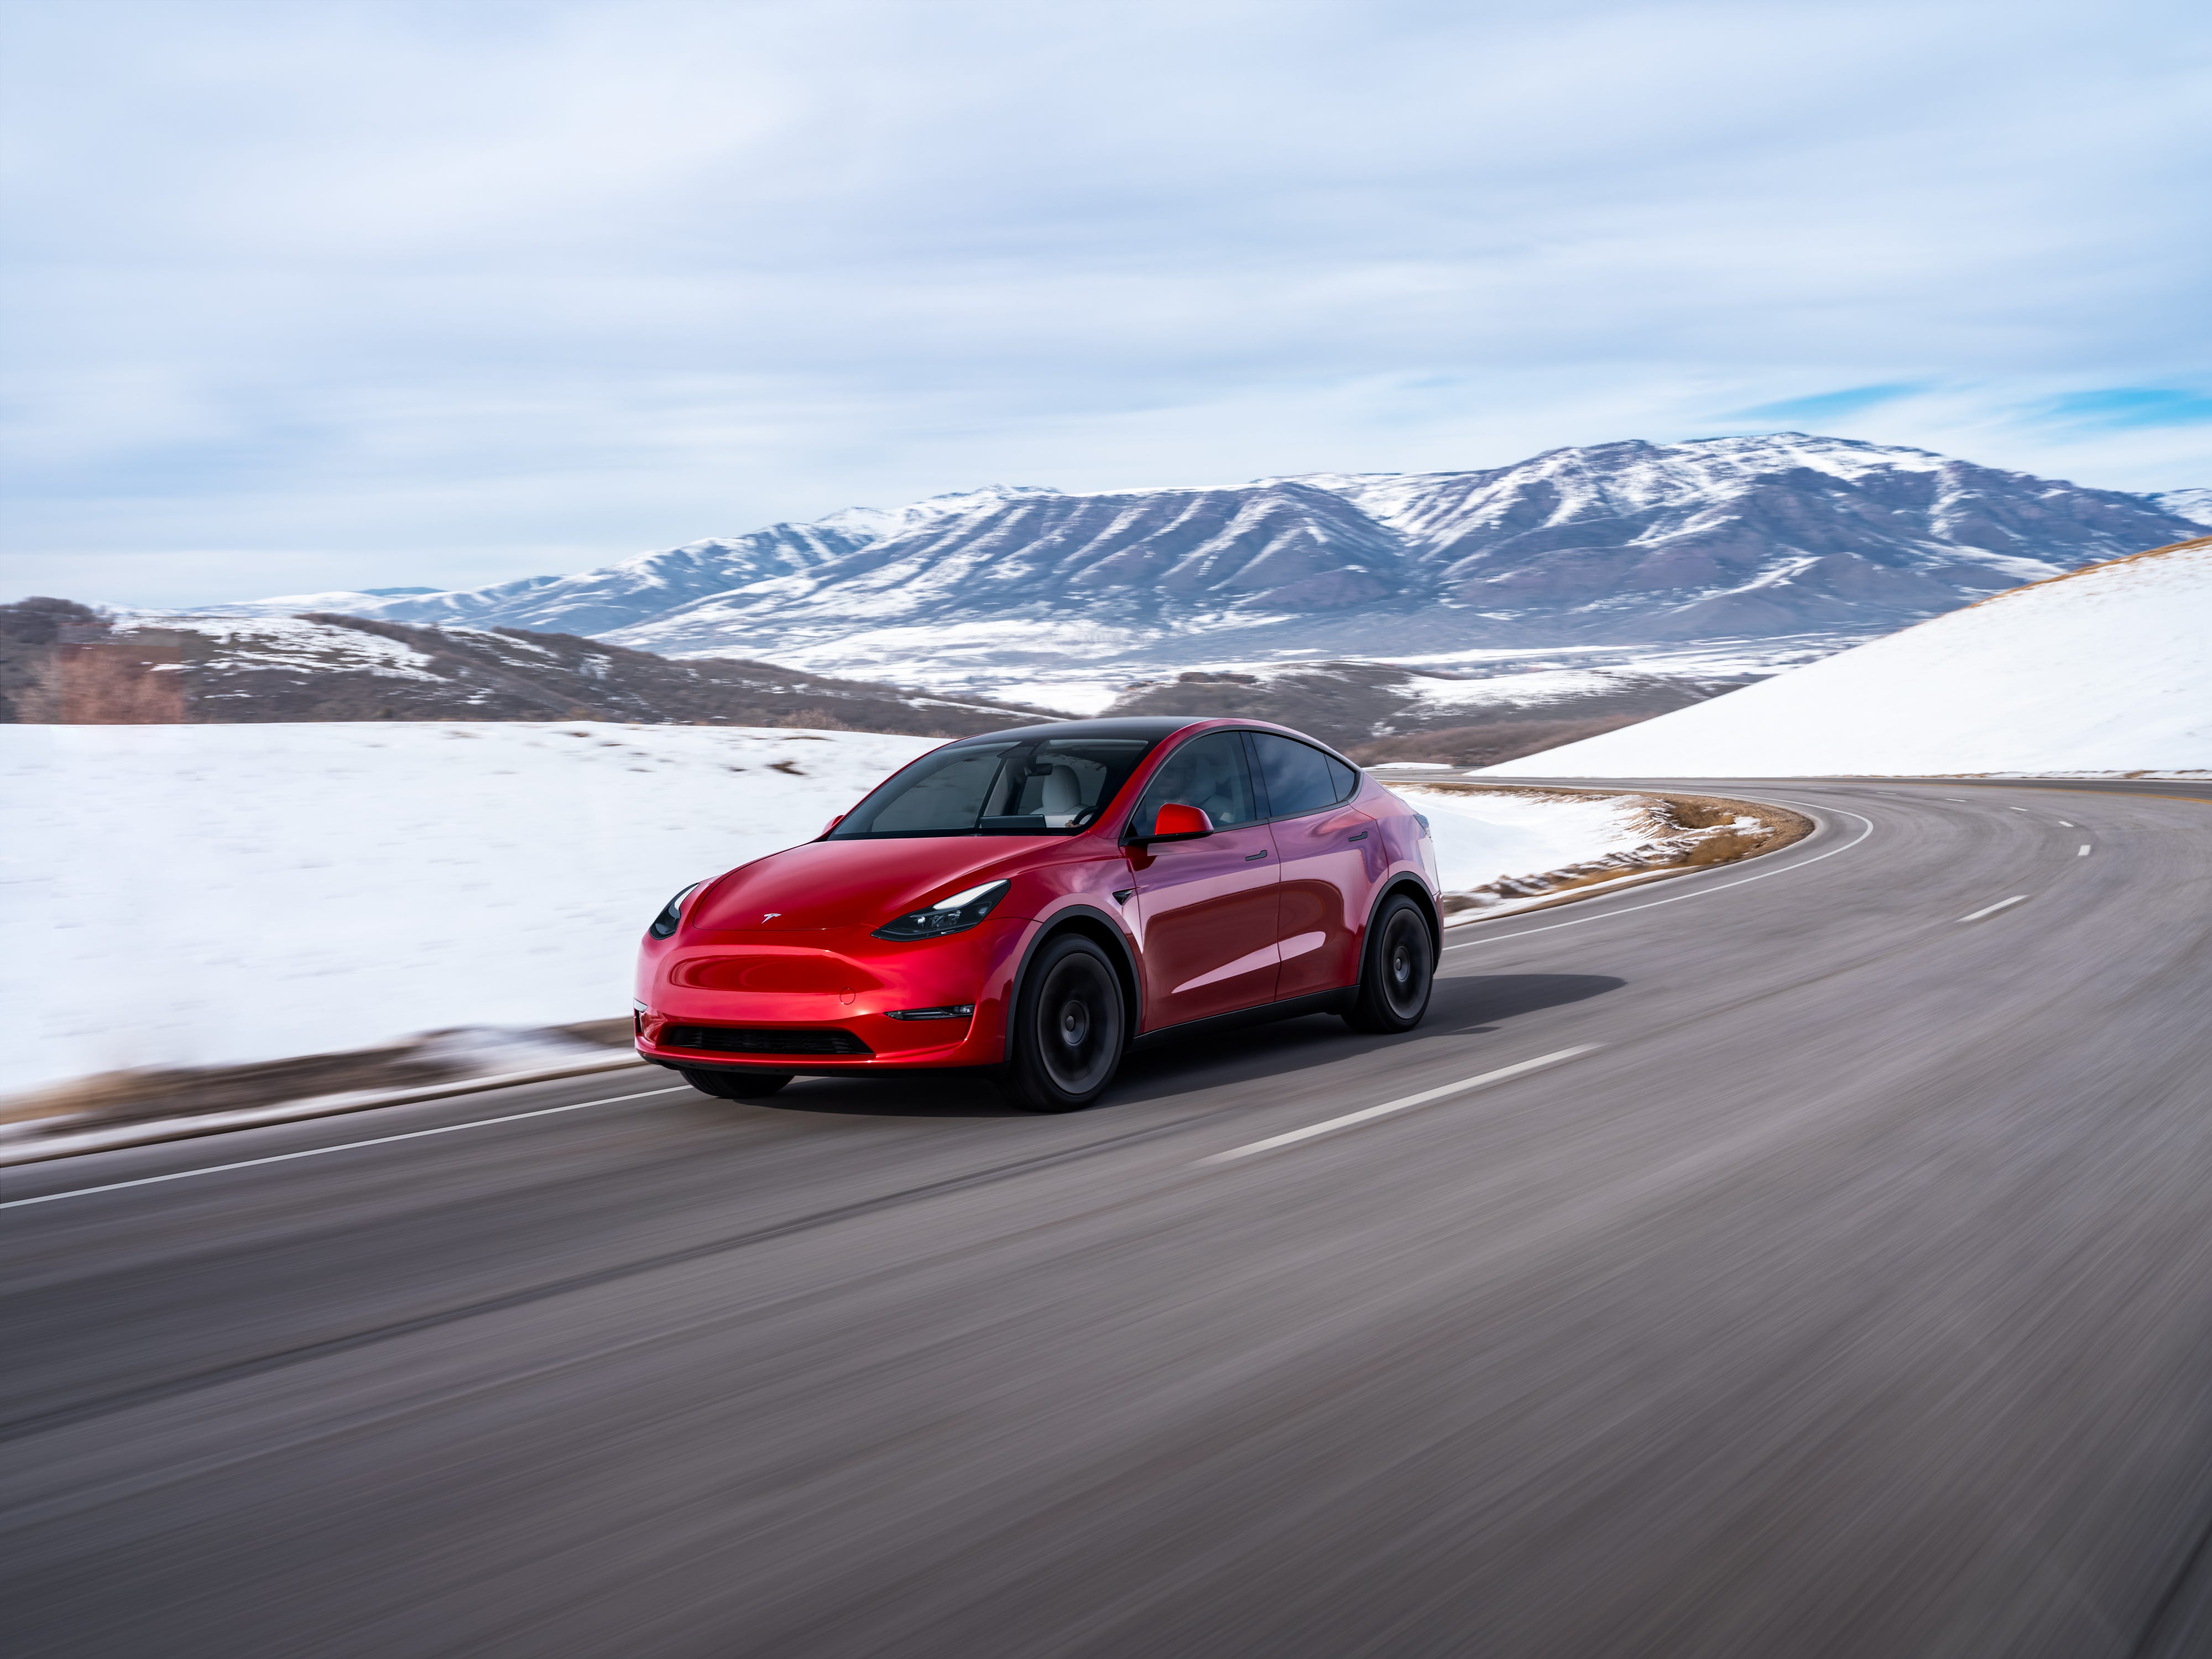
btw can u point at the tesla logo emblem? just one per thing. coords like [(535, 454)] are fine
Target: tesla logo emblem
[(770, 915)]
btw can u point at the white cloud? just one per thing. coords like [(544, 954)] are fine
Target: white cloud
[(399, 292)]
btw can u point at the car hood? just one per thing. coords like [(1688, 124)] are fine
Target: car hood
[(854, 883)]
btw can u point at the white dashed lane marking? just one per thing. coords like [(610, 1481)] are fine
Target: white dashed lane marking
[(1991, 909), (1368, 1113), (344, 1146), (2084, 853)]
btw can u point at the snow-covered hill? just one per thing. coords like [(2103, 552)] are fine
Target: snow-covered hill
[(1749, 537), (68, 664), (2106, 669), (2195, 505)]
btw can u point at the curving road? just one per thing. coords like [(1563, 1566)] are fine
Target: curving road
[(1817, 1273)]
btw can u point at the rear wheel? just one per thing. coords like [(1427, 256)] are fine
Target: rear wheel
[(738, 1085), (1399, 972), (1068, 1028)]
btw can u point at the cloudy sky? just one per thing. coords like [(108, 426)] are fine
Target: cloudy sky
[(301, 296)]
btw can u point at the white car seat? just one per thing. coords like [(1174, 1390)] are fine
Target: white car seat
[(1060, 798), (1216, 796)]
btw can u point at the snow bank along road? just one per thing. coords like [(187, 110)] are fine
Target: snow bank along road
[(1822, 1269)]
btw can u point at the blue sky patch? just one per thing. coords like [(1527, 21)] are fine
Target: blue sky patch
[(2134, 405), (1828, 406)]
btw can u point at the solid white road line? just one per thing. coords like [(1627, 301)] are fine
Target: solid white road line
[(347, 1147), (1389, 1106), (1702, 892), (2084, 853), (1991, 910)]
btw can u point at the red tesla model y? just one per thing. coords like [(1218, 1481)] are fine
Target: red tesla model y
[(1036, 901)]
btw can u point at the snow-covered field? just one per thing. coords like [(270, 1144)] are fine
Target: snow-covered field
[(200, 895), (2109, 669), (190, 895), (1482, 838)]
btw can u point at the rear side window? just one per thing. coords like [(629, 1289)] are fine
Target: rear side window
[(1299, 778), (1208, 773), (1346, 778)]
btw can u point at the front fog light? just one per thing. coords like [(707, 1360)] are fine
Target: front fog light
[(948, 916)]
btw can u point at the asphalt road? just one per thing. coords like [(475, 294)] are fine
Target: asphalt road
[(1841, 1285)]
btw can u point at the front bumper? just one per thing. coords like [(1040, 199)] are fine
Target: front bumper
[(825, 1002)]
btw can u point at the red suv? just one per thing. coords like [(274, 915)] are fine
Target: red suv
[(1036, 901)]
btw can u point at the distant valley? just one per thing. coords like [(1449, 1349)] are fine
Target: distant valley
[(64, 663)]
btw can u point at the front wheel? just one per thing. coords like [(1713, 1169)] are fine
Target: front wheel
[(1068, 1028), (1399, 970), (738, 1085)]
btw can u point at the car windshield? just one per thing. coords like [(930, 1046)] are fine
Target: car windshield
[(1007, 787)]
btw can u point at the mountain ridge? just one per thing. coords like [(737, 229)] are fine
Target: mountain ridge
[(1784, 535)]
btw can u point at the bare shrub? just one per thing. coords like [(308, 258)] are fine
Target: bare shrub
[(119, 682)]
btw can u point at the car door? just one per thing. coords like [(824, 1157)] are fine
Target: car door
[(1330, 856), (1206, 908)]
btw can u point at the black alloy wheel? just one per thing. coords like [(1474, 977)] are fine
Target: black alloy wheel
[(1399, 970), (1068, 1028), (737, 1086)]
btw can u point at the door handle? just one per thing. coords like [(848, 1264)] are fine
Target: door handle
[(1249, 857), (1362, 835)]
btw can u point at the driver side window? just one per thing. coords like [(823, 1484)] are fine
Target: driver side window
[(1208, 773)]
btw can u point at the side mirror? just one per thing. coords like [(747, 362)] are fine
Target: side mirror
[(833, 824), (1177, 822)]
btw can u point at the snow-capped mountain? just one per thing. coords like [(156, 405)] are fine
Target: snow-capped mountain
[(2192, 504), (2102, 670), (1753, 537), (650, 584)]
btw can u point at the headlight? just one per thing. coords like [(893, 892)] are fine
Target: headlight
[(672, 912), (952, 915)]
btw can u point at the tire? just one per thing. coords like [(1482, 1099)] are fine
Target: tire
[(738, 1085), (1069, 1028), (1398, 972)]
